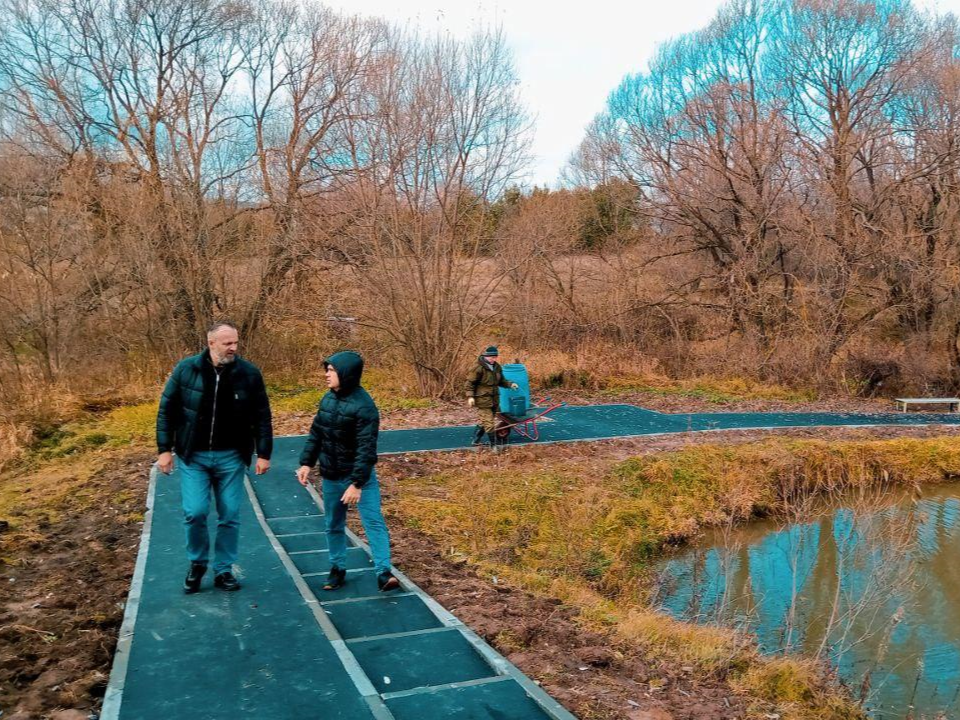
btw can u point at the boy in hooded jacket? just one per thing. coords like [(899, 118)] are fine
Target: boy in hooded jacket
[(343, 440)]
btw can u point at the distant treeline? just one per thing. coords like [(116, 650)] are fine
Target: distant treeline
[(777, 197)]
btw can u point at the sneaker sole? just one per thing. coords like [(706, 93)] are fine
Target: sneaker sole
[(391, 584)]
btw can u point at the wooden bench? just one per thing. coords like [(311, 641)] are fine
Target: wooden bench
[(904, 403)]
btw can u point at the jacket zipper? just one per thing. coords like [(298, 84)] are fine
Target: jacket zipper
[(213, 418)]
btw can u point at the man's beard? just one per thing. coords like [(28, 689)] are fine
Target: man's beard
[(225, 359)]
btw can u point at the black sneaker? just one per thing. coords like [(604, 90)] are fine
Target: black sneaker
[(387, 582), (191, 583), (226, 581), (336, 578)]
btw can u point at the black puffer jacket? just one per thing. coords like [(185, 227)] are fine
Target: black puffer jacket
[(343, 436), (182, 403)]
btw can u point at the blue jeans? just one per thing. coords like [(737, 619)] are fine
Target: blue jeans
[(370, 515), (223, 472)]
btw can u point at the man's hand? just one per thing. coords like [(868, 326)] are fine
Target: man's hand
[(303, 475), (514, 386), (165, 462), (351, 495), (262, 465), (471, 402)]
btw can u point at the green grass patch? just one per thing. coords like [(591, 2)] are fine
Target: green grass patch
[(392, 390), (294, 398), (713, 390), (122, 426)]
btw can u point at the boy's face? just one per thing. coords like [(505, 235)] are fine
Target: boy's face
[(333, 380)]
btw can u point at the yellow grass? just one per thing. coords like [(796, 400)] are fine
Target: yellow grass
[(589, 538)]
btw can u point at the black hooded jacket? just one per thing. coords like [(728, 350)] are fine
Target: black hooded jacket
[(343, 436)]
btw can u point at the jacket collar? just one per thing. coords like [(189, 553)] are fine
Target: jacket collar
[(202, 360)]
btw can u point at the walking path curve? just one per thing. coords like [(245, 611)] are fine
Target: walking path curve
[(282, 648)]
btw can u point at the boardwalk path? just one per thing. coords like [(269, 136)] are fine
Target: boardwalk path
[(281, 648)]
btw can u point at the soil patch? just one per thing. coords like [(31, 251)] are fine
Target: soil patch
[(63, 596), (440, 414)]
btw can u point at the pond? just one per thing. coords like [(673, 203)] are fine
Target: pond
[(871, 586)]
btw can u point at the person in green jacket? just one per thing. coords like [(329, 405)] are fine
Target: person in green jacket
[(483, 394), (343, 441)]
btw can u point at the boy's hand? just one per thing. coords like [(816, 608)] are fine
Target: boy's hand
[(262, 465), (471, 402), (165, 462), (514, 386), (303, 475), (351, 495)]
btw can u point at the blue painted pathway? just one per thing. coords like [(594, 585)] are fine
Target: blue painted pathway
[(604, 422), (282, 648)]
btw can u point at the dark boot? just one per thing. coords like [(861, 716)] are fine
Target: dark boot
[(494, 441), (194, 575), (336, 578), (478, 435), (226, 581)]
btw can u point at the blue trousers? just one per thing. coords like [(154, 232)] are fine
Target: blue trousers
[(223, 472), (370, 515)]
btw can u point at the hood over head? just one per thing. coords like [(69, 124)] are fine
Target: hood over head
[(349, 367)]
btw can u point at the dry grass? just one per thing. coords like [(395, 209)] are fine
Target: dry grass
[(588, 537), (799, 689), (34, 498), (708, 649), (567, 520), (393, 388)]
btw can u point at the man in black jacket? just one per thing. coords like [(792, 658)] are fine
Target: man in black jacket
[(343, 438), (213, 412)]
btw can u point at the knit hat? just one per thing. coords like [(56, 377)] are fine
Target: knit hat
[(492, 350)]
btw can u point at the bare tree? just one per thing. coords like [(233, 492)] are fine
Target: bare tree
[(442, 133), (143, 90), (307, 69)]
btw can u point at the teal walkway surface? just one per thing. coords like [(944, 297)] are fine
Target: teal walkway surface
[(283, 648), (603, 422)]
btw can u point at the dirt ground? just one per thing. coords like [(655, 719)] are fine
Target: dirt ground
[(62, 599), (62, 588)]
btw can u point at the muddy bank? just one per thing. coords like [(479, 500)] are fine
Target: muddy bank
[(64, 585)]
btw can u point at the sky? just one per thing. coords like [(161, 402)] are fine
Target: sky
[(569, 56)]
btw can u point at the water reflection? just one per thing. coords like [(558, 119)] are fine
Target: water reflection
[(874, 589)]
